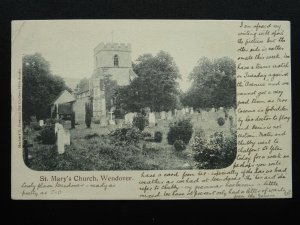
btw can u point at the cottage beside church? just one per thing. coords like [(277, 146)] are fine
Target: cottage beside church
[(112, 60)]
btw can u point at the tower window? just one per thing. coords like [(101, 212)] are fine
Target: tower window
[(116, 60)]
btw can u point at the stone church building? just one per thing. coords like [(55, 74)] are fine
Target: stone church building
[(110, 59)]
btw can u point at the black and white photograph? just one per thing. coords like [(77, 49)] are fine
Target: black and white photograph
[(113, 95)]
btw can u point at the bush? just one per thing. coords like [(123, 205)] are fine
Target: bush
[(179, 145), (221, 121), (96, 121), (215, 152), (47, 135), (146, 134), (158, 136), (180, 130), (126, 135), (50, 121), (119, 114), (140, 121), (33, 119), (35, 126)]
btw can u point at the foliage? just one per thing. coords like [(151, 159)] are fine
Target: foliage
[(40, 87), (213, 84), (158, 136), (127, 136), (140, 121), (47, 135), (35, 126), (96, 121), (119, 113), (83, 85), (146, 134), (89, 136), (88, 152), (221, 121), (88, 114), (215, 152), (156, 85), (179, 145), (97, 155), (111, 87), (50, 121), (180, 130)]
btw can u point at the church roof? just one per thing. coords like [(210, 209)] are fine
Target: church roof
[(64, 97)]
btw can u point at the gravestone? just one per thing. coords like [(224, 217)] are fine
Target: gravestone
[(191, 111), (202, 114), (163, 115), (179, 113), (151, 117), (231, 121), (41, 123), (175, 112), (67, 137), (231, 112), (157, 115), (183, 111), (220, 113), (111, 121), (187, 110), (103, 121), (169, 115), (129, 118), (60, 141)]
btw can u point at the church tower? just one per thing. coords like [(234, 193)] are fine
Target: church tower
[(112, 60)]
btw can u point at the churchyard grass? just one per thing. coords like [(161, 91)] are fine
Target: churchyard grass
[(94, 149)]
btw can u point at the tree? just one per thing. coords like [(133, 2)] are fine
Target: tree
[(213, 84), (83, 84), (156, 85), (40, 87), (111, 87)]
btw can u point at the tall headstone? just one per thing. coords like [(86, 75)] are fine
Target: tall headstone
[(67, 137), (151, 119), (179, 113), (169, 115), (157, 115), (192, 111), (175, 112), (163, 115), (60, 141), (111, 121), (41, 123), (129, 118)]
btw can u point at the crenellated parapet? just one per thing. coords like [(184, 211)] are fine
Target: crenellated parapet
[(112, 47)]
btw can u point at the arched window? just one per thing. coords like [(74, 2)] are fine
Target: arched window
[(116, 60)]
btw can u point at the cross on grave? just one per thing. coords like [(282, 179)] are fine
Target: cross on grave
[(111, 121)]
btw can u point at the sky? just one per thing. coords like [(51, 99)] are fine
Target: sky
[(68, 44)]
